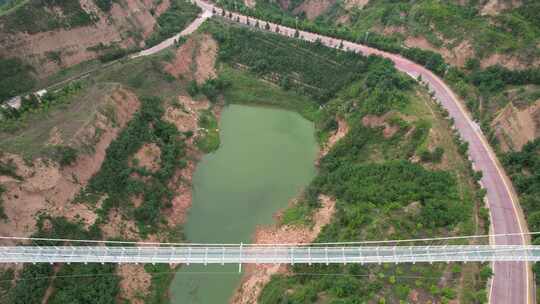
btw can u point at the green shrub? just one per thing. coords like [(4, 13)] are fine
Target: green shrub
[(3, 214), (64, 155), (29, 289), (434, 156), (118, 179), (112, 54), (95, 283), (486, 273), (105, 5), (173, 21), (212, 87), (193, 88), (9, 168)]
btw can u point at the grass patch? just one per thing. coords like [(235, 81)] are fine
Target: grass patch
[(67, 111), (246, 89), (8, 6), (299, 214), (209, 142), (144, 76)]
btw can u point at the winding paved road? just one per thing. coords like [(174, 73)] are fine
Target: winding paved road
[(512, 282)]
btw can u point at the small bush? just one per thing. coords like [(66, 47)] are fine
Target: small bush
[(193, 88), (64, 155)]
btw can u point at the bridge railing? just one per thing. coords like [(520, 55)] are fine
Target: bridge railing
[(267, 254)]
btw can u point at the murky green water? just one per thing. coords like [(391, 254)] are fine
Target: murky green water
[(266, 157)]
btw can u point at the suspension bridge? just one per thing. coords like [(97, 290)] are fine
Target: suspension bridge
[(319, 253)]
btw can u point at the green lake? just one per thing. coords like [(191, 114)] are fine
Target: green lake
[(265, 159)]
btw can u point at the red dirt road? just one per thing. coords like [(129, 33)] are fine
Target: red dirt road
[(512, 280)]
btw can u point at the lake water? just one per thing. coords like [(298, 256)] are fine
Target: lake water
[(266, 157)]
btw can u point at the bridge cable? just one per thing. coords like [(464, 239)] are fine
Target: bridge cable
[(266, 244)]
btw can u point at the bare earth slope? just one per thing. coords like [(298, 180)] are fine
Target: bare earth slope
[(124, 26)]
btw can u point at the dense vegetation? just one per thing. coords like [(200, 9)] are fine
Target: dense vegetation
[(3, 215), (432, 60), (289, 62), (121, 179), (381, 195), (171, 22), (95, 283), (15, 78)]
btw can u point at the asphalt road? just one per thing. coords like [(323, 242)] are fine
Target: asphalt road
[(169, 42), (512, 281)]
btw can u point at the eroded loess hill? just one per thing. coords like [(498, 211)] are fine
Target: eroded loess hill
[(54, 35), (496, 31), (39, 38), (108, 157)]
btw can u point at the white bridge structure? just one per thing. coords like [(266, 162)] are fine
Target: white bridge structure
[(268, 254)]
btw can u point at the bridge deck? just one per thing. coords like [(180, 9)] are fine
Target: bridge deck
[(267, 254)]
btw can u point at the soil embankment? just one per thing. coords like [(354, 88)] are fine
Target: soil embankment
[(514, 127)]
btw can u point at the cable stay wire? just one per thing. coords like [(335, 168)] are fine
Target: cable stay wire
[(449, 238)]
